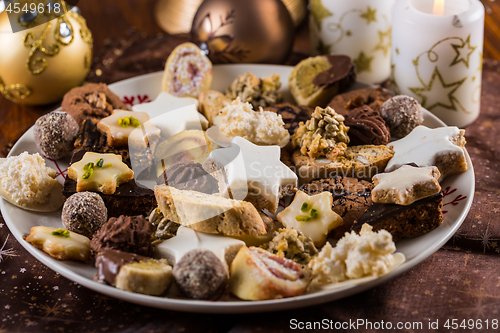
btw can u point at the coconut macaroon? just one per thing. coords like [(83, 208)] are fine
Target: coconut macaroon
[(28, 183), (259, 127)]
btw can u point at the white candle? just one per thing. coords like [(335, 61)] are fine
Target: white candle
[(437, 56), (360, 29)]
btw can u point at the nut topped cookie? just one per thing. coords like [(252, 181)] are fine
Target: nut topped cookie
[(323, 135)]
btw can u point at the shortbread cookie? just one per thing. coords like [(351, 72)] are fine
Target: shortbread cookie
[(312, 215), (362, 162), (188, 72), (129, 129), (259, 275), (211, 103), (442, 147), (209, 213), (150, 277), (316, 80), (100, 173), (406, 185), (60, 243)]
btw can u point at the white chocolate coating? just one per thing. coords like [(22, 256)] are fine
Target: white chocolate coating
[(105, 179), (317, 228), (187, 239)]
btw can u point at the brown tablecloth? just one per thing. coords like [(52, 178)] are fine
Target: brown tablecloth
[(460, 281)]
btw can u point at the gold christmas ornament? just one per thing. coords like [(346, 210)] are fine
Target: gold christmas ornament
[(257, 31), (41, 63), (176, 16)]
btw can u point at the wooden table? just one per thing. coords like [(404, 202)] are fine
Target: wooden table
[(460, 281)]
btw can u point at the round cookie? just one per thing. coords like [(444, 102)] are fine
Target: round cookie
[(188, 72), (401, 114), (91, 101), (84, 213), (55, 134), (199, 274)]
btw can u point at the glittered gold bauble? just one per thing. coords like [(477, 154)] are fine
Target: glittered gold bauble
[(242, 31), (41, 63)]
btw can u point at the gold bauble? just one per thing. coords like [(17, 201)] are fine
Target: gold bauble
[(39, 64), (257, 31), (176, 16)]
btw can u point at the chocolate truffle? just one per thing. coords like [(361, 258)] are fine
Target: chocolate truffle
[(84, 213), (55, 133), (401, 114), (200, 274), (125, 233)]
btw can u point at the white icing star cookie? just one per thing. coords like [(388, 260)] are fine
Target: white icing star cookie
[(406, 185), (256, 170), (442, 147), (313, 215), (187, 239)]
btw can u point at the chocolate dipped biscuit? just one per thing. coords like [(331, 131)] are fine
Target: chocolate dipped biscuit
[(316, 80)]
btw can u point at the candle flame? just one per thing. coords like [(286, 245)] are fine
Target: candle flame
[(438, 7)]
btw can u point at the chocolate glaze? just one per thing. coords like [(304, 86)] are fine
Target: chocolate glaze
[(109, 262), (292, 115), (379, 212), (189, 176), (342, 72)]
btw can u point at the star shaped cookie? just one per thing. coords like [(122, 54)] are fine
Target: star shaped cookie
[(253, 173), (187, 239)]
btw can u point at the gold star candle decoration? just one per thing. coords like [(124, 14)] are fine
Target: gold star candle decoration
[(100, 173)]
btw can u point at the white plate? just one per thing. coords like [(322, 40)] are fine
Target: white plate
[(459, 190)]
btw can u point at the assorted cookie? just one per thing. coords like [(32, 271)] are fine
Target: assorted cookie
[(197, 221)]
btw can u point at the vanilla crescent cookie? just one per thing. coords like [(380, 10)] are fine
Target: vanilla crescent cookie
[(188, 72)]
